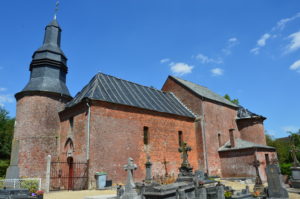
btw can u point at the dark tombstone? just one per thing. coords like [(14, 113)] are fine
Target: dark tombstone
[(275, 185), (15, 194), (295, 178)]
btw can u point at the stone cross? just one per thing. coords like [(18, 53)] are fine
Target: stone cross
[(258, 182), (148, 165), (165, 162), (184, 149), (129, 168), (294, 150)]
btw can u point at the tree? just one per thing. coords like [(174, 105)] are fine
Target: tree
[(6, 135), (235, 101)]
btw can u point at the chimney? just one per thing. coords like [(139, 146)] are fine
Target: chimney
[(231, 137)]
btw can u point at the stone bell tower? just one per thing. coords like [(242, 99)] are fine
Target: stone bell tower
[(37, 122)]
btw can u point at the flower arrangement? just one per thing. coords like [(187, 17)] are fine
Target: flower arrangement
[(228, 194), (39, 192), (256, 194)]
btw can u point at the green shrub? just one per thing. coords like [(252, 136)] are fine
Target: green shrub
[(286, 169), (3, 166), (31, 185)]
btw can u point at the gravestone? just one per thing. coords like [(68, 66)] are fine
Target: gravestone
[(185, 170), (130, 191), (12, 171), (258, 187), (275, 185), (15, 194), (148, 166), (202, 178)]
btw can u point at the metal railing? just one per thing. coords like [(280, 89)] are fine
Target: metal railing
[(22, 183)]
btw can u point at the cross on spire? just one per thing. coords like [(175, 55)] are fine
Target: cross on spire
[(56, 8)]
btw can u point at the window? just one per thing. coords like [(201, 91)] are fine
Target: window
[(267, 159), (71, 121), (180, 140), (219, 139), (146, 135)]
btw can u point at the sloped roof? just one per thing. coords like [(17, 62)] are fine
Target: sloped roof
[(111, 89), (242, 144), (244, 113), (203, 91)]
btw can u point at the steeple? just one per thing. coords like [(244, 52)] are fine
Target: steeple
[(49, 64)]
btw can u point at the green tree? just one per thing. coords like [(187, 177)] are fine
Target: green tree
[(6, 135), (235, 101)]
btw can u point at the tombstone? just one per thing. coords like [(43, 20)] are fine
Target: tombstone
[(275, 185), (258, 187), (148, 166), (295, 178), (15, 194), (185, 170), (202, 178), (130, 188)]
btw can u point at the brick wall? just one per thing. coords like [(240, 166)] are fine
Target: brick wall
[(37, 129), (252, 130), (116, 133), (215, 120)]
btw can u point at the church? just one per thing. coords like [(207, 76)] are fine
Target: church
[(112, 119)]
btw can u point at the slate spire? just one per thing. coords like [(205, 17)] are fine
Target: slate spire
[(49, 64)]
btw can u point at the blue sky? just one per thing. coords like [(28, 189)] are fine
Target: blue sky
[(248, 49)]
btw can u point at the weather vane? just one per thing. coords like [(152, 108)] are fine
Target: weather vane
[(56, 8)]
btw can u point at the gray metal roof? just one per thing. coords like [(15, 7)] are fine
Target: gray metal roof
[(242, 144), (244, 113), (111, 89), (48, 66), (203, 91)]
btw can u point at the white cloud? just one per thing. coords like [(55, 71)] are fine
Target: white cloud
[(281, 23), (165, 60), (230, 44), (2, 89), (181, 68), (255, 51), (295, 66), (206, 60), (232, 40), (290, 128), (295, 42), (217, 71), (262, 41), (6, 99)]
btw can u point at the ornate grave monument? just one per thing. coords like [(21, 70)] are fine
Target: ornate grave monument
[(295, 178)]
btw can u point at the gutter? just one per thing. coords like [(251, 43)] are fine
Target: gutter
[(204, 137), (88, 132)]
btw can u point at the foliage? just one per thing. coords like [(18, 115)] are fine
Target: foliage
[(31, 185), (235, 101), (227, 194), (286, 168), (283, 148), (6, 135), (3, 166)]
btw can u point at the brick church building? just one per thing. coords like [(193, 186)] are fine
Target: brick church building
[(112, 119)]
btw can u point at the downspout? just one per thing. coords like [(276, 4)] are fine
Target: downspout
[(204, 136), (88, 133)]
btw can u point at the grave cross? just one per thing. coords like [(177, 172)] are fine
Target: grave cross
[(165, 162), (184, 149), (258, 182), (294, 150), (129, 168)]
